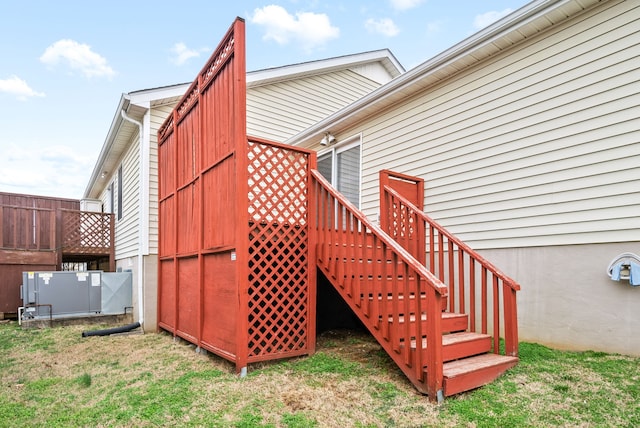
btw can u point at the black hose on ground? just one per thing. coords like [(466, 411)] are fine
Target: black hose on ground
[(108, 331)]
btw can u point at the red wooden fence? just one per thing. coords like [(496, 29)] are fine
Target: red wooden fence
[(26, 228), (235, 272)]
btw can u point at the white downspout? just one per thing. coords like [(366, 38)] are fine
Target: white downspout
[(143, 212)]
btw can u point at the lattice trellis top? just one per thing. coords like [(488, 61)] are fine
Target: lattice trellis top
[(277, 184)]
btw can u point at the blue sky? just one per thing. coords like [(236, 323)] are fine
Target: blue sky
[(64, 64)]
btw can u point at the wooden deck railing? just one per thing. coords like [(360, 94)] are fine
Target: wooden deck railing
[(381, 282), (475, 286), (87, 232), (23, 228)]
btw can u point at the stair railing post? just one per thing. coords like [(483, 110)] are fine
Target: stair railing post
[(384, 202), (434, 344), (510, 320), (312, 240)]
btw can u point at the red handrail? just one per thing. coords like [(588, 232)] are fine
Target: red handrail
[(441, 247), (368, 267)]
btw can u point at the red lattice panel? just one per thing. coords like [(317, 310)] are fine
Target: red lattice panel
[(278, 251)]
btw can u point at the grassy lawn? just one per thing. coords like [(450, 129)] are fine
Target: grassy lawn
[(55, 377)]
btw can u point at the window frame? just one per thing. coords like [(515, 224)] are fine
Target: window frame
[(120, 187), (334, 152)]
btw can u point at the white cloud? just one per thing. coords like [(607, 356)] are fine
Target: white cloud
[(48, 171), (78, 56), (18, 87), (309, 29), (488, 18), (384, 26), (182, 54), (405, 4)]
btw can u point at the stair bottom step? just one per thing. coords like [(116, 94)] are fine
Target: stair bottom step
[(470, 373)]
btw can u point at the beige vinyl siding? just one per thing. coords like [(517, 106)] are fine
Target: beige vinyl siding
[(539, 145), (158, 116), (127, 227), (278, 111), (374, 71), (104, 197)]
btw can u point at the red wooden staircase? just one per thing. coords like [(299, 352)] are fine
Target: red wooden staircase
[(436, 307), (242, 222)]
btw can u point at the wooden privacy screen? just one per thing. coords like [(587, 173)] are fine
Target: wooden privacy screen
[(281, 259), (234, 274)]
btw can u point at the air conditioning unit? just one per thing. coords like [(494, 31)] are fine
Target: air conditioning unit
[(63, 294)]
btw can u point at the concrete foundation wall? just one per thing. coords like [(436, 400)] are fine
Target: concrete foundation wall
[(151, 293), (567, 299), (149, 290)]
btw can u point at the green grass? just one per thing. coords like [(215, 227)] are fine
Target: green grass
[(555, 388), (56, 378)]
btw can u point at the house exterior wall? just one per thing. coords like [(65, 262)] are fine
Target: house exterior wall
[(534, 147), (158, 116), (532, 156), (149, 290), (568, 302), (126, 233), (280, 110)]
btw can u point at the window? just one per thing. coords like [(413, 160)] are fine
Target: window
[(341, 167), (120, 192)]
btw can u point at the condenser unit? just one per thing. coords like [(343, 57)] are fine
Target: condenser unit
[(62, 294)]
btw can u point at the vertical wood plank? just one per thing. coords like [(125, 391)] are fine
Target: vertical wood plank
[(239, 138)]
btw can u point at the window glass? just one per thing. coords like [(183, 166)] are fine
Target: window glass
[(325, 164), (341, 167), (348, 174)]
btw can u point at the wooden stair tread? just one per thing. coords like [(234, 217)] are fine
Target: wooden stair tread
[(423, 317), (451, 322), (465, 336), (456, 338), (464, 366)]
